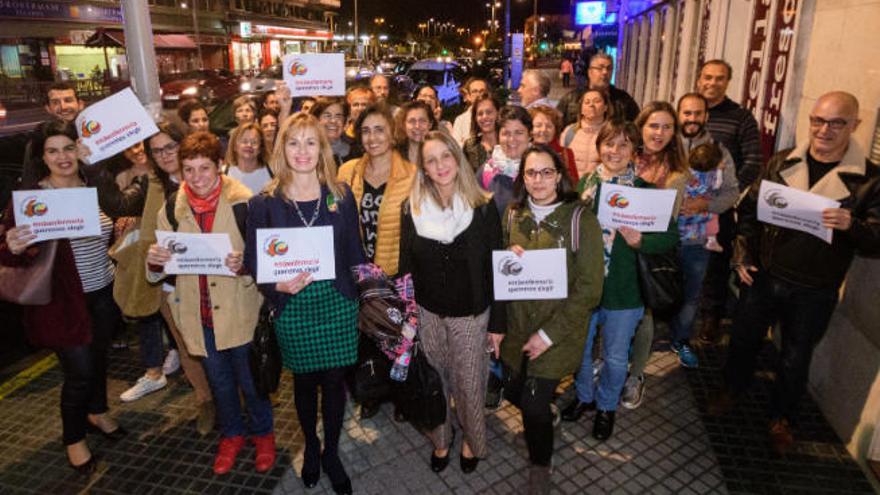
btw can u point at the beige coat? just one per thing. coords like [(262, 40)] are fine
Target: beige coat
[(235, 300)]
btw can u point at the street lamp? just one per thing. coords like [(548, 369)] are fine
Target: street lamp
[(195, 17)]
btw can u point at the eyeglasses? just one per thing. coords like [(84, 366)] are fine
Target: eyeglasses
[(833, 124), (327, 117), (545, 173), (165, 150)]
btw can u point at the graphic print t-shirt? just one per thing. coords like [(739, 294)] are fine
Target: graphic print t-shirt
[(370, 203)]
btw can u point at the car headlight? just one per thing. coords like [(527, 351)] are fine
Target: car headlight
[(190, 91), (246, 86)]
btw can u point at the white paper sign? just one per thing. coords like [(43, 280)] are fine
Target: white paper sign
[(113, 124), (646, 210), (284, 253), (794, 209), (196, 254), (58, 213), (537, 274), (315, 74)]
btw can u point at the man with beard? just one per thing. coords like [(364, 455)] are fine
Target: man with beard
[(599, 74), (62, 103)]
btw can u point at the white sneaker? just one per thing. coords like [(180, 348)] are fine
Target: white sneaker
[(172, 362), (143, 387)]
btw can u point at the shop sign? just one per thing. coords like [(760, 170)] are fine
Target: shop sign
[(245, 29), (755, 64), (778, 63), (79, 36), (48, 10)]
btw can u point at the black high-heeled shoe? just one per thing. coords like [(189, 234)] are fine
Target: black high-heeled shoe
[(468, 464), (438, 464), (86, 468), (114, 435), (336, 472), (311, 471)]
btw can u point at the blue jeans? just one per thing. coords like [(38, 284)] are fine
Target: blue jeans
[(694, 260), (150, 337), (618, 327), (227, 371)]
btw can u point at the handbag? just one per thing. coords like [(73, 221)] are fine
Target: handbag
[(371, 375), (660, 279), (421, 398), (31, 284), (265, 355)]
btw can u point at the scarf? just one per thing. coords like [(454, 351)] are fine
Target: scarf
[(591, 185), (207, 204), (204, 210), (443, 224), (499, 163)]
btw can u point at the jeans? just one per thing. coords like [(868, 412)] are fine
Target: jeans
[(694, 260), (150, 336), (84, 390), (803, 314), (618, 327), (228, 371), (533, 395)]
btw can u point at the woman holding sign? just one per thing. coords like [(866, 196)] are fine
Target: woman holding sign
[(621, 307), (78, 321), (316, 321), (449, 230), (545, 338), (216, 314)]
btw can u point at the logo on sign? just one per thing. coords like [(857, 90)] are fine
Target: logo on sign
[(90, 128), (510, 266), (32, 207), (174, 246), (775, 199), (617, 200), (298, 68), (275, 246)]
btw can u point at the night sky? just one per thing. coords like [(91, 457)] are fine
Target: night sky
[(405, 15)]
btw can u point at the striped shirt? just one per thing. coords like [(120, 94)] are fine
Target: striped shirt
[(736, 128), (95, 268)]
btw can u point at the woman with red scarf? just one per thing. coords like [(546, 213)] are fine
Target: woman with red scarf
[(217, 315)]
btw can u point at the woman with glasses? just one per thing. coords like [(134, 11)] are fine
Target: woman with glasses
[(545, 338), (332, 113), (245, 160)]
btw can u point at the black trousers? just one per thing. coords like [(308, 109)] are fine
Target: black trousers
[(716, 291), (305, 398), (533, 395), (84, 390), (803, 314)]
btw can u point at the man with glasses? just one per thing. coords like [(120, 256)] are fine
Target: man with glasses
[(735, 128), (599, 74), (791, 277), (461, 127)]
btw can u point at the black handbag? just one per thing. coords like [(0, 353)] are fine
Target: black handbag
[(660, 279), (420, 398), (372, 380), (265, 356)]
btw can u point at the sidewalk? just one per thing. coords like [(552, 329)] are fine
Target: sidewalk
[(666, 446)]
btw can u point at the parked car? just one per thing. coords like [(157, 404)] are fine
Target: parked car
[(441, 73), (263, 82), (206, 85), (355, 70)]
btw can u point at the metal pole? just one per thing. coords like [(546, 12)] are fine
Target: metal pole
[(357, 39), (195, 8), (535, 32), (141, 55), (506, 43)]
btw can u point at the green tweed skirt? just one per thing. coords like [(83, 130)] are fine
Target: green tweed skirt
[(317, 330)]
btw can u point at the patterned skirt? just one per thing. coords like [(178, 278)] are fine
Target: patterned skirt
[(317, 330)]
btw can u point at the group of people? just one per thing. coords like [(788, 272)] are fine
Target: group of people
[(413, 194)]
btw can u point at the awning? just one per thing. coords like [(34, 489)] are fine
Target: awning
[(116, 38)]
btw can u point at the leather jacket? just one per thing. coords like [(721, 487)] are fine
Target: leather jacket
[(798, 257)]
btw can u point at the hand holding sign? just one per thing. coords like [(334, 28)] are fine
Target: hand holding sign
[(195, 254), (114, 124), (315, 74), (644, 210), (58, 213)]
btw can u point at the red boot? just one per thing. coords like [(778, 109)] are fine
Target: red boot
[(226, 454), (265, 447)]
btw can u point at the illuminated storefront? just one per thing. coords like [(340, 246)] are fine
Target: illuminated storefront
[(257, 46)]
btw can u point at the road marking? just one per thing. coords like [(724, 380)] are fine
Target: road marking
[(28, 375)]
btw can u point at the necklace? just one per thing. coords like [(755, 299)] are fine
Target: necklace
[(314, 215)]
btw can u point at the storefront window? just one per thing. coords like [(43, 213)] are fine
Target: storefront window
[(9, 64), (83, 62)]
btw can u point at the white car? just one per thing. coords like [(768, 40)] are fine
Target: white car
[(441, 73)]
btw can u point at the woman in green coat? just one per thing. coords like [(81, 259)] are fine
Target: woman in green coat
[(545, 338)]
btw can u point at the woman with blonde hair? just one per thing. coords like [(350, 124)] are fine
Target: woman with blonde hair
[(316, 321), (449, 230), (245, 157)]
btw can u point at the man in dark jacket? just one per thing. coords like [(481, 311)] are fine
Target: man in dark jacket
[(792, 277), (734, 127), (599, 77)]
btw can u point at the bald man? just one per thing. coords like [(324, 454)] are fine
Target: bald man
[(791, 277)]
